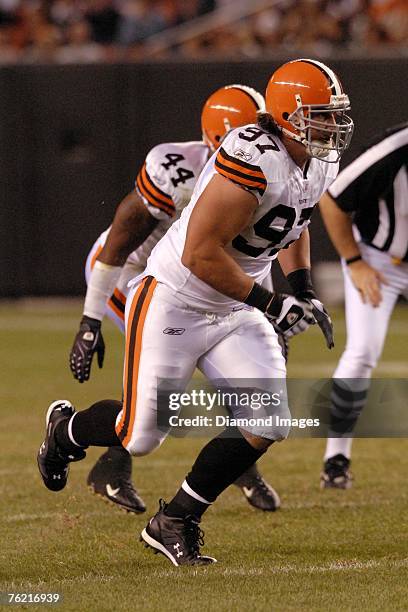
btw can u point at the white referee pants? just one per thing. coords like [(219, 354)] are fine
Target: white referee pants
[(366, 329), (167, 340), (367, 326)]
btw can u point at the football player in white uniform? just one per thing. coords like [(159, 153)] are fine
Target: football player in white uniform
[(164, 187), (203, 279)]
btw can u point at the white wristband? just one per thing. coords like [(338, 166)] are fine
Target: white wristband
[(102, 283)]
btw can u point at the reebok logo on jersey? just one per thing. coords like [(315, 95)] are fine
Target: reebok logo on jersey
[(174, 331), (240, 153)]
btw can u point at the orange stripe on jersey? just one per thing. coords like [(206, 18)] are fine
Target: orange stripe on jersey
[(153, 194), (240, 172), (244, 182), (230, 162), (95, 256), (156, 191), (153, 201), (134, 337)]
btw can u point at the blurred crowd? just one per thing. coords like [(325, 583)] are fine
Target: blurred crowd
[(78, 31)]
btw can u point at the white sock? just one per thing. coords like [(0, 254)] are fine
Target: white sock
[(70, 436), (338, 446), (185, 486)]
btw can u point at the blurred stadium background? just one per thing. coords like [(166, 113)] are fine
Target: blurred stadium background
[(80, 111), (86, 89)]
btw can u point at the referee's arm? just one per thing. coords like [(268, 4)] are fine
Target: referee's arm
[(339, 227), (366, 279)]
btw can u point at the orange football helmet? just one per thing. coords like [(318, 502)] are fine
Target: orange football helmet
[(228, 108), (306, 100)]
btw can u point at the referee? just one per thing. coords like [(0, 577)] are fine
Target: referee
[(366, 215)]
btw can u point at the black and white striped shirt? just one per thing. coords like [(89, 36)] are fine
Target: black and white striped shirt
[(374, 187)]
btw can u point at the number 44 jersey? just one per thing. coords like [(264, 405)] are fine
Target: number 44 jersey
[(286, 196), (165, 183)]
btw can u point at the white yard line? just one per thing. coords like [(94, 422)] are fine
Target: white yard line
[(324, 504), (339, 565), (22, 517), (334, 566), (153, 464)]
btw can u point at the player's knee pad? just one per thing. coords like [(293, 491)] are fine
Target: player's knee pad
[(275, 428), (280, 431), (143, 445)]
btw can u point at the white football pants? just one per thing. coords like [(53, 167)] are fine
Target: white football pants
[(167, 340)]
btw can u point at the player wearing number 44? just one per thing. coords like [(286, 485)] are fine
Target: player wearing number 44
[(253, 198), (164, 187)]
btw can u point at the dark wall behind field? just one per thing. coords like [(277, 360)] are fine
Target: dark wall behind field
[(72, 139)]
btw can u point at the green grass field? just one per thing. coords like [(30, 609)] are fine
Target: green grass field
[(331, 550)]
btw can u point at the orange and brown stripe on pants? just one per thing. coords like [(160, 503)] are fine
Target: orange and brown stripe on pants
[(134, 334)]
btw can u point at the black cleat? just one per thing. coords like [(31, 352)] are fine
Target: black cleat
[(336, 473), (179, 539), (110, 478), (52, 460), (257, 491)]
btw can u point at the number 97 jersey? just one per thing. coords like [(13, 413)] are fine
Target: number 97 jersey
[(286, 194)]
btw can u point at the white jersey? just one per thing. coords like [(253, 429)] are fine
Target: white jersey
[(286, 195), (166, 183)]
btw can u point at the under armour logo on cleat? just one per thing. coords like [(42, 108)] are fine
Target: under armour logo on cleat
[(177, 548)]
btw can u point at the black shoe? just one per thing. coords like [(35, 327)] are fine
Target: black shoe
[(257, 491), (53, 460), (179, 539), (336, 473), (110, 478)]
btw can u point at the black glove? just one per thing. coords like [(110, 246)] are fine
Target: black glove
[(320, 314), (88, 341), (301, 283), (323, 320), (288, 315)]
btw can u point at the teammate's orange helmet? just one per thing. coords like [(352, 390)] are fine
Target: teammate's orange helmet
[(227, 108), (299, 91)]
